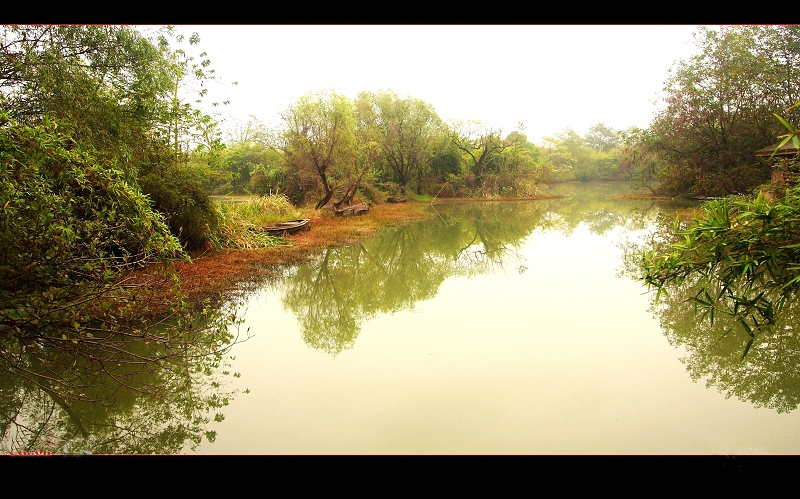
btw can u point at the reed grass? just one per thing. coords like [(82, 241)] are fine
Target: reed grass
[(240, 224)]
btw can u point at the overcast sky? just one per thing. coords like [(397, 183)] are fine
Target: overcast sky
[(546, 77)]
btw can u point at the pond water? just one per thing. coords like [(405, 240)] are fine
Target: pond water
[(496, 328), (490, 328)]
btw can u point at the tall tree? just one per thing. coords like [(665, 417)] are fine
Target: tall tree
[(405, 128), (719, 106), (319, 138)]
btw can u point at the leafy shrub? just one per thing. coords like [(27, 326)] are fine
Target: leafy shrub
[(743, 252), (180, 193), (66, 218), (371, 193), (68, 226)]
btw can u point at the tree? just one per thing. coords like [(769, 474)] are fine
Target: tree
[(328, 136), (567, 154), (602, 137), (405, 128), (319, 138), (480, 145), (518, 167), (109, 83), (188, 126), (740, 257), (639, 164), (70, 228), (118, 93), (718, 108)]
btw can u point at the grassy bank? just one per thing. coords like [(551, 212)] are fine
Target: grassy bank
[(217, 271)]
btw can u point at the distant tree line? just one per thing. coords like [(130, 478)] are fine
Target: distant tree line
[(380, 144)]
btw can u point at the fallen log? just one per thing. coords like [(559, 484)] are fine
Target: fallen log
[(356, 209)]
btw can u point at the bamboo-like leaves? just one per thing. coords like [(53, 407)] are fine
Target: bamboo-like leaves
[(747, 249), (792, 135)]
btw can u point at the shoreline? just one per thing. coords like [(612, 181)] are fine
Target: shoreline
[(211, 274)]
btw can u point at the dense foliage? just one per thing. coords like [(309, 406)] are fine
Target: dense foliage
[(119, 93), (66, 217), (739, 257), (743, 256), (95, 181), (71, 227), (597, 156), (718, 110)]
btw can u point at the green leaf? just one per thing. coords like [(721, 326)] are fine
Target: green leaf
[(747, 347), (784, 123), (747, 328)]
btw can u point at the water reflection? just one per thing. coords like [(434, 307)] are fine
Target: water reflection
[(343, 287), (768, 376), (598, 207), (120, 394), (339, 289)]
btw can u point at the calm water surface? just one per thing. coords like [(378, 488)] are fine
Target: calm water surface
[(496, 328)]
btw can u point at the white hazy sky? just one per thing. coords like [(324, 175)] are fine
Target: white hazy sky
[(547, 77)]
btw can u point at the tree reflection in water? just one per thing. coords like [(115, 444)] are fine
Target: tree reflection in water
[(343, 287), (337, 291), (334, 293), (768, 376), (102, 400)]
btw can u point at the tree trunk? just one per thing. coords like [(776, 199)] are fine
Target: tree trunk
[(328, 192)]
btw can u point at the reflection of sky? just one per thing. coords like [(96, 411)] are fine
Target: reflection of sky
[(561, 358)]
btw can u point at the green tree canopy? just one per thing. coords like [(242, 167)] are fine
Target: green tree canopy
[(319, 139), (404, 129), (719, 106)]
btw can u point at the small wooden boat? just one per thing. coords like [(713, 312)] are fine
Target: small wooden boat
[(286, 228)]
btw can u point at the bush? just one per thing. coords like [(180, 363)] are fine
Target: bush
[(66, 218), (371, 193), (180, 193), (68, 226), (744, 254)]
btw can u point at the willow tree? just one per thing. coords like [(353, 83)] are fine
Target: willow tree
[(406, 126), (319, 138), (328, 137)]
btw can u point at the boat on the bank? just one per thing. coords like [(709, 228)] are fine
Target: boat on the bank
[(287, 228)]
